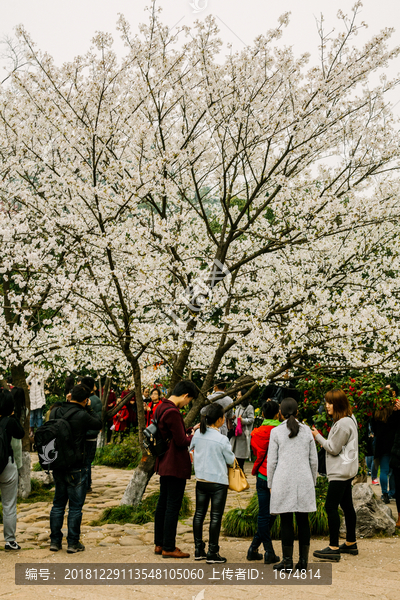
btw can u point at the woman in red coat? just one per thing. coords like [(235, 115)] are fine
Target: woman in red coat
[(259, 444), (120, 420)]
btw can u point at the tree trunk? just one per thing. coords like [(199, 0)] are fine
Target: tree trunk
[(24, 473), (137, 486), (104, 399)]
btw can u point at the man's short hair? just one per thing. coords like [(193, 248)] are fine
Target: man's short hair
[(80, 393), (90, 382), (185, 387)]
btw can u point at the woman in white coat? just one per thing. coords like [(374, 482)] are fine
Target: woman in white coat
[(292, 473)]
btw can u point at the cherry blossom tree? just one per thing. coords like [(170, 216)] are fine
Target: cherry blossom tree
[(235, 214)]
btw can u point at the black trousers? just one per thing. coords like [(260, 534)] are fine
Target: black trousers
[(217, 493), (241, 462), (396, 475), (91, 447), (287, 529), (340, 494), (167, 511)]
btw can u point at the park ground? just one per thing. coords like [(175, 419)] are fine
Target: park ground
[(374, 573)]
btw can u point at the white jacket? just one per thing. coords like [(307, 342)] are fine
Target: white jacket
[(36, 391)]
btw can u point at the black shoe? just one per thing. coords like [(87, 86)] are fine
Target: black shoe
[(328, 554), (213, 559), (79, 547), (270, 559), (89, 490), (54, 547), (385, 498), (286, 563), (345, 549), (253, 554), (303, 558), (200, 552), (12, 546)]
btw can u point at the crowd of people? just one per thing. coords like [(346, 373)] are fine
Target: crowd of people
[(285, 464)]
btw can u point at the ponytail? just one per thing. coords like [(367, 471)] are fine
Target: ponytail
[(211, 415), (293, 426), (289, 412)]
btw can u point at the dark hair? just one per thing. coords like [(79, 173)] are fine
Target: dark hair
[(245, 403), (395, 388), (341, 405), (185, 387), (90, 382), (69, 384), (80, 393), (156, 389), (211, 415), (221, 385), (289, 412), (6, 403), (270, 409)]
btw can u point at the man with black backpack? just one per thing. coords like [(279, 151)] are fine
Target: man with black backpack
[(71, 481), (174, 468)]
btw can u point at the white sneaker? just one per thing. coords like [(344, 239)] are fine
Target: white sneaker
[(12, 546)]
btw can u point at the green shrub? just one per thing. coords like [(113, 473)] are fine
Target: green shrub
[(138, 515), (125, 454), (37, 467), (40, 492), (242, 522)]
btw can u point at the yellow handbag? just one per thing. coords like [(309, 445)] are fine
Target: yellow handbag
[(237, 479)]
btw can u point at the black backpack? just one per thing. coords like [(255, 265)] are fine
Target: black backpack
[(55, 444), (153, 442), (3, 445)]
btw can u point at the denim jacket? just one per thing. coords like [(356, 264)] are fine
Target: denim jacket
[(212, 454)]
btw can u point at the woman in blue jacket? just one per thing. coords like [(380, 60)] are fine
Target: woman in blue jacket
[(212, 454)]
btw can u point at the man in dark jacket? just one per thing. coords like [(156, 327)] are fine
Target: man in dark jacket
[(71, 485), (174, 468), (91, 436)]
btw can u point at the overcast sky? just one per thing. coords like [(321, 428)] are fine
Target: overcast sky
[(64, 29)]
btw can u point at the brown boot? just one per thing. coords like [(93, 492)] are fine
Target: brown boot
[(175, 554), (398, 520), (158, 550)]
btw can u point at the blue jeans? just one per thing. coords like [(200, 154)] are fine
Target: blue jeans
[(265, 520), (371, 466), (70, 487), (36, 418), (386, 476)]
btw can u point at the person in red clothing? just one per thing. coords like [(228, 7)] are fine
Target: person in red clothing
[(111, 403), (155, 398), (259, 444), (174, 468), (132, 410), (120, 420)]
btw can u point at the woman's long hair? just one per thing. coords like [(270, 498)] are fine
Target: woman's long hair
[(289, 411), (213, 412), (340, 402)]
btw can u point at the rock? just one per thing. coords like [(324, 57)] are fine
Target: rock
[(43, 537), (24, 476), (94, 535), (43, 476), (373, 516), (130, 541), (109, 540)]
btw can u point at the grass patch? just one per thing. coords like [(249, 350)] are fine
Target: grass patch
[(37, 467), (141, 514), (242, 522), (40, 492), (124, 454)]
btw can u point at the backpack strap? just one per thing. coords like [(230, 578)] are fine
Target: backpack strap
[(156, 417), (69, 412)]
